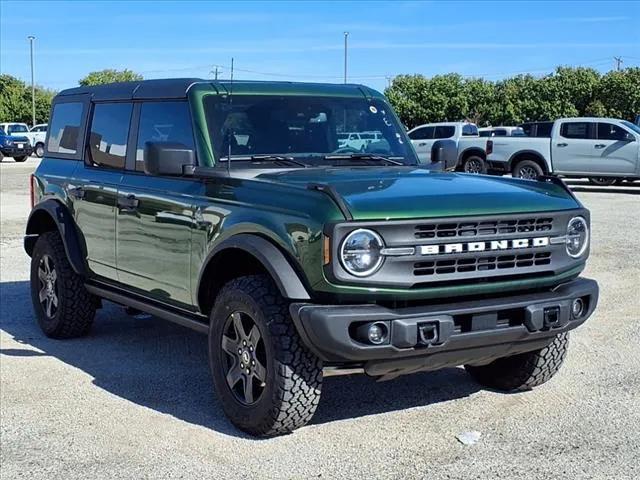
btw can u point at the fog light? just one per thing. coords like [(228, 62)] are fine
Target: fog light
[(577, 308), (377, 333)]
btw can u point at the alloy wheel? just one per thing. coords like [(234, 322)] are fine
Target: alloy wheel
[(473, 166), (528, 173), (48, 278), (244, 358)]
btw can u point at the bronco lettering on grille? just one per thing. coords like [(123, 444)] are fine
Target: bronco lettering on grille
[(484, 246)]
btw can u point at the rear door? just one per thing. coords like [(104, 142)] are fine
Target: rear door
[(155, 214), (573, 147), (422, 140)]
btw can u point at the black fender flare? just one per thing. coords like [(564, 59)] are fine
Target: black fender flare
[(472, 151), (531, 153), (39, 222), (270, 256)]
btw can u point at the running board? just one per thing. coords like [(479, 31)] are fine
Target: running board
[(189, 320)]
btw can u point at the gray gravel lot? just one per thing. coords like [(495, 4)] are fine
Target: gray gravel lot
[(134, 399)]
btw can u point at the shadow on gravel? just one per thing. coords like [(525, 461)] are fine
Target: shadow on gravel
[(163, 366), (625, 188)]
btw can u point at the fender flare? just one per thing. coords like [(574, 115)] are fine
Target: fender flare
[(64, 222), (472, 151), (270, 256), (532, 153)]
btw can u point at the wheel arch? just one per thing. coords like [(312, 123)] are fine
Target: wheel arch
[(246, 254), (528, 155), (470, 152), (52, 215)]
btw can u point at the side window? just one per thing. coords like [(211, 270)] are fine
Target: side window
[(163, 122), (424, 133), (469, 130), (109, 132), (575, 130), (499, 132), (609, 131), (447, 131), (65, 128)]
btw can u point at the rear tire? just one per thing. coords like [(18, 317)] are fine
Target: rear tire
[(527, 169), (39, 150), (474, 164), (604, 181), (523, 371), (20, 159), (63, 306), (267, 381)]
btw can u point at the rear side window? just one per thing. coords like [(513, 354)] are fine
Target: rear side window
[(424, 133), (163, 122), (65, 128), (609, 131), (500, 132), (444, 131), (109, 131), (469, 130), (575, 130)]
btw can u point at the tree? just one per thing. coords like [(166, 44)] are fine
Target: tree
[(619, 92), (109, 75), (15, 101)]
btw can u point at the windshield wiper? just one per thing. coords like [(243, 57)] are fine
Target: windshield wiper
[(364, 156), (265, 158)]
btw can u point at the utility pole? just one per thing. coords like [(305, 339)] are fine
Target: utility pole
[(389, 81), (346, 35), (33, 85), (215, 73), (618, 61)]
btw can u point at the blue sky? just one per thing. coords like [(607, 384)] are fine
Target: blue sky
[(304, 40)]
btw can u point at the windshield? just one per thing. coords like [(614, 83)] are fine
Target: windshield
[(17, 129), (630, 125), (304, 127)]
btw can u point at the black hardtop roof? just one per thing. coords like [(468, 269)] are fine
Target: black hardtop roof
[(176, 88)]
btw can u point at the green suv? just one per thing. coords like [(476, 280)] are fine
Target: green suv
[(234, 209)]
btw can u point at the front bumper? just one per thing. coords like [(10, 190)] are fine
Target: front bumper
[(470, 332), (13, 151)]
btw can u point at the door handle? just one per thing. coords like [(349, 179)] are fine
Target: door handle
[(421, 144), (130, 202), (599, 145), (78, 193), (563, 144)]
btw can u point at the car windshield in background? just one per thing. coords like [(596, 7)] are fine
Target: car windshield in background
[(305, 128), (630, 125), (17, 129)]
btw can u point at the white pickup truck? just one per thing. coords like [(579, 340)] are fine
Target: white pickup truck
[(604, 150), (471, 148), (36, 134)]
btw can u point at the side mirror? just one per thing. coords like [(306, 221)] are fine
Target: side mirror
[(69, 138), (167, 158), (444, 155)]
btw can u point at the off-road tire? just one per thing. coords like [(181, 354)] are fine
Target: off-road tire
[(293, 373), (39, 150), (474, 164), (76, 306), (20, 159), (523, 371), (528, 166)]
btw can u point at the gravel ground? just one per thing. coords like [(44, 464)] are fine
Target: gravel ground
[(134, 399)]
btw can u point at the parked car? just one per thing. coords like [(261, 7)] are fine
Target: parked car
[(14, 146), (296, 258), (501, 132), (537, 129), (605, 150), (37, 135), (358, 140), (471, 153)]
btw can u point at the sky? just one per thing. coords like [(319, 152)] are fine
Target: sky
[(304, 41)]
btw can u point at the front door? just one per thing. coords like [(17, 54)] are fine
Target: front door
[(614, 152)]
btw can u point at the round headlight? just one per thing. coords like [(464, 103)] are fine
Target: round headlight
[(360, 252), (577, 236)]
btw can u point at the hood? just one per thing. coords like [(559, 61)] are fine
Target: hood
[(408, 192)]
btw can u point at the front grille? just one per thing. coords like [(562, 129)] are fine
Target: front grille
[(479, 264), (483, 228)]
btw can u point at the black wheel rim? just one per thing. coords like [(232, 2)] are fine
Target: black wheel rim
[(473, 166), (48, 293), (528, 172), (244, 358)]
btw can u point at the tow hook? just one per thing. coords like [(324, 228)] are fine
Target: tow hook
[(428, 333)]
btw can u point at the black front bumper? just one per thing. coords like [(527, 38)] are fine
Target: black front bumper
[(13, 151), (469, 332)]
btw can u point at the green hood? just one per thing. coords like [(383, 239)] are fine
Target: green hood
[(408, 192)]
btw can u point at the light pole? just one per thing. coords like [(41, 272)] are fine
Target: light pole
[(33, 85), (346, 36)]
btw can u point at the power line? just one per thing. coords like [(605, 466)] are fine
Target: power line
[(618, 61)]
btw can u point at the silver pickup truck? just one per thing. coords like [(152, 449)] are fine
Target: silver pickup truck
[(604, 150)]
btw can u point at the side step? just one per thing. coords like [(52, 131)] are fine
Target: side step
[(186, 319)]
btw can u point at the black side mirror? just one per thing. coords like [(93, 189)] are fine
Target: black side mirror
[(444, 153), (167, 158), (69, 138)]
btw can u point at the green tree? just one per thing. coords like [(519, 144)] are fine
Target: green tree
[(619, 92), (15, 101), (109, 76)]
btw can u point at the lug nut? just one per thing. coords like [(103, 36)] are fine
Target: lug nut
[(247, 371), (251, 348), (241, 366), (239, 351), (244, 343), (253, 363)]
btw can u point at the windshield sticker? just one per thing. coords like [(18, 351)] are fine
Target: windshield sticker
[(373, 109)]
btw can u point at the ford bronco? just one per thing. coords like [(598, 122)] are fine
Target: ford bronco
[(230, 208)]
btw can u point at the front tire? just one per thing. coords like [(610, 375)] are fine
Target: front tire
[(63, 306), (604, 181), (267, 381), (527, 169), (39, 150), (21, 158), (523, 371), (474, 164)]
